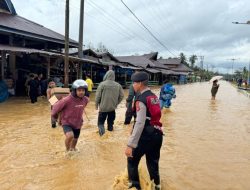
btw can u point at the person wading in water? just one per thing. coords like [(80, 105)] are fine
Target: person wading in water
[(214, 89), (146, 136), (71, 109)]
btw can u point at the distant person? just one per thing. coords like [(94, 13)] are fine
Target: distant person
[(90, 84), (129, 105), (166, 94), (240, 82), (44, 87), (146, 137), (51, 85), (10, 81), (28, 77), (33, 88), (108, 95), (71, 110), (4, 94), (39, 81), (214, 89), (245, 83), (58, 81)]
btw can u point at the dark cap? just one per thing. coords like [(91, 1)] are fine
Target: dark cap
[(139, 77)]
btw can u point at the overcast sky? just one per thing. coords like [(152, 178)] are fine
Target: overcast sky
[(199, 27)]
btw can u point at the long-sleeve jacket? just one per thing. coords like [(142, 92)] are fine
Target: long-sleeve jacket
[(71, 109), (109, 93)]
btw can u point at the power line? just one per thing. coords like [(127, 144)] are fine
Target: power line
[(106, 14), (158, 20), (103, 12), (134, 20), (110, 23), (147, 29), (125, 34), (233, 59)]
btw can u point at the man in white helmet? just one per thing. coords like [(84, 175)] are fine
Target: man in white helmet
[(71, 109)]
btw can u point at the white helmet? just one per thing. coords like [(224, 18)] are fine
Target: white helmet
[(79, 83)]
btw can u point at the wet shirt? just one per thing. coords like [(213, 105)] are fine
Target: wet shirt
[(71, 109)]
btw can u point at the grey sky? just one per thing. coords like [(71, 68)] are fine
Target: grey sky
[(198, 27)]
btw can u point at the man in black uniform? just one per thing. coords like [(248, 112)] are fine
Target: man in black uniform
[(146, 137), (33, 89), (130, 105)]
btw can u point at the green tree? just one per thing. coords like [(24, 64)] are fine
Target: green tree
[(193, 59), (245, 73), (183, 58)]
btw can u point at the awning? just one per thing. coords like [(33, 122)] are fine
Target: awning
[(107, 63), (42, 52), (167, 72), (154, 71), (129, 67), (182, 73)]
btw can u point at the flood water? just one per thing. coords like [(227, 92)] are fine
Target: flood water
[(206, 146)]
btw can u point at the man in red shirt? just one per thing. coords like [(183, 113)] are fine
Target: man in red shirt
[(71, 109)]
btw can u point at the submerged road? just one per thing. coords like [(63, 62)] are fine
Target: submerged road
[(207, 145)]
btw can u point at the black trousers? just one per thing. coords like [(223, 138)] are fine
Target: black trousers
[(149, 146), (110, 116), (33, 97), (128, 116)]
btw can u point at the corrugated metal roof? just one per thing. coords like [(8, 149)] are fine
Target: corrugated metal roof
[(139, 61), (102, 54), (168, 72), (160, 65), (152, 55), (19, 25), (33, 51), (151, 70), (130, 67), (170, 61), (182, 68), (7, 6)]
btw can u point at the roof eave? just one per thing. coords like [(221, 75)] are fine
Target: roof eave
[(27, 34)]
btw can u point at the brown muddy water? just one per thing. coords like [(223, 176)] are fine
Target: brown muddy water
[(207, 146)]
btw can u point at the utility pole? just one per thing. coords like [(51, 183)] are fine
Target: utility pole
[(233, 59), (66, 59), (201, 61), (80, 48), (248, 77), (233, 65)]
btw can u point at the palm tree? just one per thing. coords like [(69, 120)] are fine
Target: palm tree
[(192, 60)]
